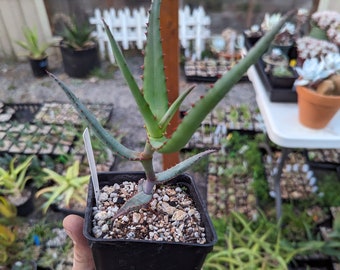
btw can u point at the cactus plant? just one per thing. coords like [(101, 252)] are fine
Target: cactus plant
[(152, 101)]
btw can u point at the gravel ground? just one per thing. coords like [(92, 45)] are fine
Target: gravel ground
[(17, 85)]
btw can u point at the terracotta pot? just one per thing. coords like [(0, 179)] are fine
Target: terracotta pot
[(315, 110)]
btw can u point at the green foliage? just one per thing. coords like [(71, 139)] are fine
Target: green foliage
[(246, 244), (328, 189), (65, 187), (282, 71), (13, 180), (7, 209), (297, 224), (245, 150), (32, 45), (201, 165), (255, 161), (77, 35), (7, 238)]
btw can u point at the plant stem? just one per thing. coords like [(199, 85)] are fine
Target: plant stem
[(148, 168)]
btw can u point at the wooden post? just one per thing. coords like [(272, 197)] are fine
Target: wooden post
[(169, 35), (250, 13)]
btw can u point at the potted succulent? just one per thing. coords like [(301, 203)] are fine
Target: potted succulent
[(253, 34), (282, 76), (274, 57), (322, 21), (36, 52), (318, 90), (13, 185), (148, 196), (310, 47), (66, 189), (270, 21), (79, 49), (285, 38)]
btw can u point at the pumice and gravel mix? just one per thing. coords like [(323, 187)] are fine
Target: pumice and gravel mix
[(170, 216)]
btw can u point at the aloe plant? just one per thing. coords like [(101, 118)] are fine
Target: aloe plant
[(66, 187), (13, 180), (32, 45), (152, 101)]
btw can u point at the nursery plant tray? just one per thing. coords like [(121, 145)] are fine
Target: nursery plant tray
[(297, 179), (229, 193), (276, 94), (328, 159), (22, 112), (61, 113), (218, 124), (200, 71), (20, 138)]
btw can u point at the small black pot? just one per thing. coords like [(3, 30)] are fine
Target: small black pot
[(252, 40), (28, 207), (66, 211), (39, 66), (283, 82), (122, 254), (79, 63), (322, 263)]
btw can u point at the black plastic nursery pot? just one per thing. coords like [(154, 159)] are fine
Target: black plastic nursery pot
[(79, 63), (27, 207), (282, 82), (126, 254), (39, 66)]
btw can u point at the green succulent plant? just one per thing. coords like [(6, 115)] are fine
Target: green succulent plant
[(32, 45), (13, 180), (66, 187), (153, 104), (7, 238), (77, 36)]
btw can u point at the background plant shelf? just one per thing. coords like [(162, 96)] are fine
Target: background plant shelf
[(221, 122), (297, 180), (275, 94), (61, 113), (208, 71), (229, 191), (52, 129), (328, 159)]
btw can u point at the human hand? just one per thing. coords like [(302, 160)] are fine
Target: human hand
[(82, 255)]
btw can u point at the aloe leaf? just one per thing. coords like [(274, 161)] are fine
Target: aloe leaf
[(100, 132), (137, 201), (151, 125), (56, 192), (154, 86), (174, 108), (180, 167), (157, 143), (203, 107)]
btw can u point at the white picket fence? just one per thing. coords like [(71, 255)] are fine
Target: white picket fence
[(129, 29)]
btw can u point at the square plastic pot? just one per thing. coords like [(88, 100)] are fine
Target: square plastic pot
[(126, 254)]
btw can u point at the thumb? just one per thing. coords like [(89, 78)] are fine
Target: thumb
[(82, 258)]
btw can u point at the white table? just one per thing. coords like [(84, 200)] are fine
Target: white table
[(283, 128)]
